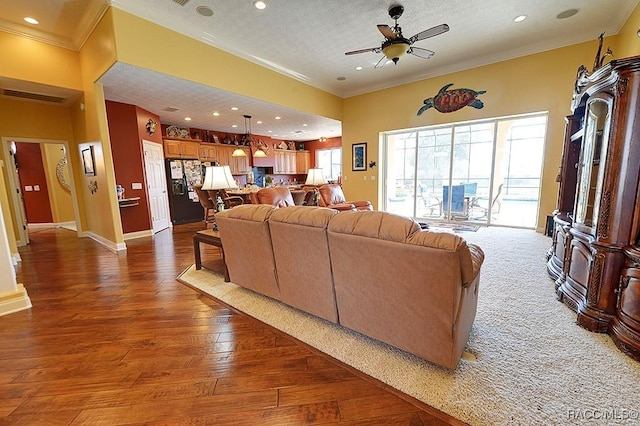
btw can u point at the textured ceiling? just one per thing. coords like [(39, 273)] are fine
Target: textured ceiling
[(306, 39)]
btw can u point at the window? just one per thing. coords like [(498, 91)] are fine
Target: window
[(330, 161), (486, 171)]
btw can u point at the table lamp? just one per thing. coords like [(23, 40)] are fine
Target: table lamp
[(217, 178), (315, 178)]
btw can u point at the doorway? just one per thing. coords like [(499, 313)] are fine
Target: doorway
[(485, 172), (59, 174), (156, 186)]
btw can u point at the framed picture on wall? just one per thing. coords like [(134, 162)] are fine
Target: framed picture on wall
[(88, 161), (359, 156)]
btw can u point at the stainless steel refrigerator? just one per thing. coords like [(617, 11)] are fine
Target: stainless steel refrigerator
[(182, 176)]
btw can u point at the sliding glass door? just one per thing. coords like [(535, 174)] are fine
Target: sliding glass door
[(467, 172)]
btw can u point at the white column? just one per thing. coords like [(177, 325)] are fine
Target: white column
[(13, 296)]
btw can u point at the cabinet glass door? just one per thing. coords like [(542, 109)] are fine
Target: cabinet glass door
[(591, 171)]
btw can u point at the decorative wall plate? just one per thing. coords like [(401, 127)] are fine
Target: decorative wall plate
[(177, 132), (283, 145)]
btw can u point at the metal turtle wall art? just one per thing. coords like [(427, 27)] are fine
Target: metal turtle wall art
[(453, 100)]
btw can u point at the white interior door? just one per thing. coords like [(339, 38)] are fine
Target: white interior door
[(156, 186)]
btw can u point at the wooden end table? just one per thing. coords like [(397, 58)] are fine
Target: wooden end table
[(211, 237)]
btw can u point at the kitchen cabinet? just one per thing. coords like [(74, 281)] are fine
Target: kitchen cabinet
[(176, 148), (208, 152), (303, 162), (285, 162), (238, 165)]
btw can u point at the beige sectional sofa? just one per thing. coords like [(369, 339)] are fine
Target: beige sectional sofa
[(374, 272)]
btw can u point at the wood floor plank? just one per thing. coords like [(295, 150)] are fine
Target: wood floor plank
[(115, 339)]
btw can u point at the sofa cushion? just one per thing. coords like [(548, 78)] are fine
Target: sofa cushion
[(386, 226), (255, 213), (246, 241), (317, 217), (303, 264)]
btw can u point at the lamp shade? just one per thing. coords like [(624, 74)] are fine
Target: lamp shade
[(315, 177), (238, 152), (394, 51), (259, 153), (218, 177)]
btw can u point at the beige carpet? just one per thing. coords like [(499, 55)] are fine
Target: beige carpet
[(534, 365)]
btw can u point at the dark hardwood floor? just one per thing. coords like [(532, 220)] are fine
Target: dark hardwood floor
[(115, 339)]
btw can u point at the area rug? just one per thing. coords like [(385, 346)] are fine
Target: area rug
[(533, 364)]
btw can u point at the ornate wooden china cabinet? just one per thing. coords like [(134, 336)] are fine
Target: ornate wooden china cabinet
[(595, 255)]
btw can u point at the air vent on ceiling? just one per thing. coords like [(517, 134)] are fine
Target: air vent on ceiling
[(170, 109), (33, 96), (181, 2)]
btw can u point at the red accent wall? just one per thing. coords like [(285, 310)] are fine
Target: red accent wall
[(316, 144), (31, 173), (127, 129)]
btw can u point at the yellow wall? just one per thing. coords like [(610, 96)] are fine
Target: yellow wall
[(59, 198), (535, 83), (6, 214), (39, 62), (148, 45), (29, 120), (100, 213), (627, 42)]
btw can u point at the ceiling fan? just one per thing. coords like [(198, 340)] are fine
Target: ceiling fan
[(395, 44)]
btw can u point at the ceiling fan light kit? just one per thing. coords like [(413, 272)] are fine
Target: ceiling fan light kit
[(396, 45)]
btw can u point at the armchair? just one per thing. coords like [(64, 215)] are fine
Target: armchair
[(230, 200), (278, 196), (208, 205), (331, 196)]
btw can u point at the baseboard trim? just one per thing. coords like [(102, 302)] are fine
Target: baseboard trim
[(110, 245), (15, 301), (40, 226), (15, 258), (138, 234)]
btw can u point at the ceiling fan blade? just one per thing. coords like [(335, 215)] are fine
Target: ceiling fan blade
[(382, 62), (421, 53), (355, 52), (386, 31), (431, 32)]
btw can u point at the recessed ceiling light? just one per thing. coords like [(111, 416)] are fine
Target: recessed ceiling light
[(341, 78), (520, 18), (187, 119), (304, 125), (358, 68), (259, 4), (215, 114), (278, 117), (234, 125), (31, 20), (258, 122), (204, 11), (269, 131), (234, 108), (567, 13)]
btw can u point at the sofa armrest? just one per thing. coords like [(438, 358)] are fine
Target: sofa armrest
[(342, 207), (362, 205), (471, 270)]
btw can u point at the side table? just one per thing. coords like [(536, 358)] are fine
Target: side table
[(210, 237)]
